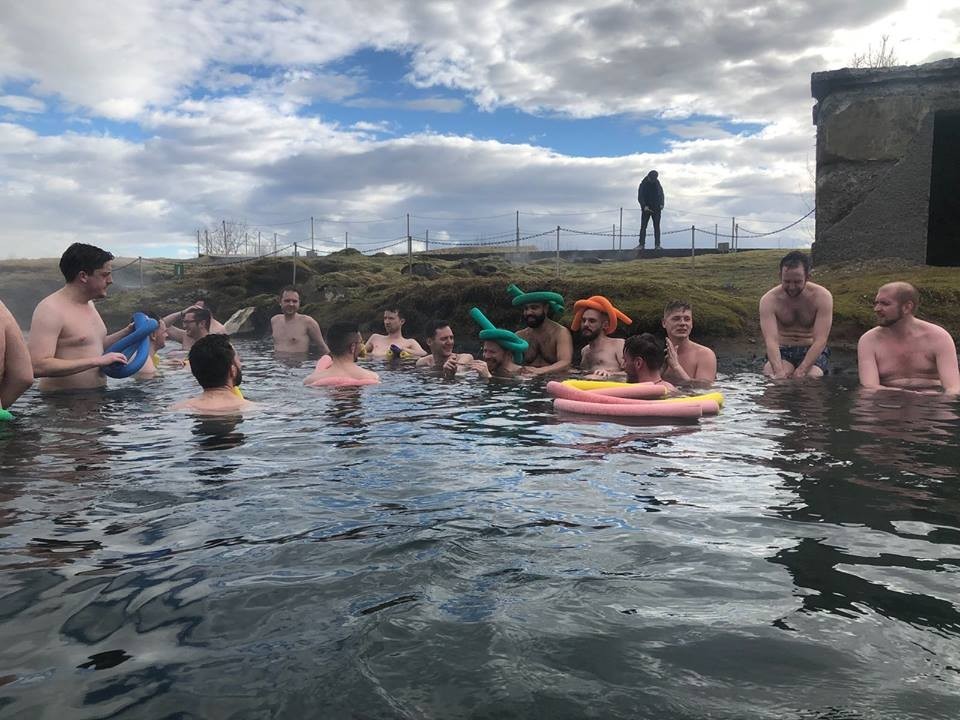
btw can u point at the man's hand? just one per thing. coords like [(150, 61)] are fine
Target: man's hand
[(601, 373), (783, 373), (110, 358), (450, 366), (481, 367), (670, 355)]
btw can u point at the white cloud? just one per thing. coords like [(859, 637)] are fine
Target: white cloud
[(21, 103)]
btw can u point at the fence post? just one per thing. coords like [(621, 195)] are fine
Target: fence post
[(275, 247), (140, 259), (426, 245), (736, 238), (518, 229), (206, 237), (312, 248), (226, 246), (294, 264), (198, 242), (346, 240), (733, 232), (621, 228), (693, 245), (259, 250), (558, 251), (716, 230), (409, 248)]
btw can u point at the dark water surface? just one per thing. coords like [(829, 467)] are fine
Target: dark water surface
[(431, 550)]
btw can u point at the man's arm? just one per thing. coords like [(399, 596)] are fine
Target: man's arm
[(706, 366), (821, 333), (175, 333), (771, 336), (564, 356), (316, 337), (111, 339), (413, 347), (947, 367), (867, 362), (44, 332), (16, 370)]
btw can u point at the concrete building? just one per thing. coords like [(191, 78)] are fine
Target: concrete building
[(888, 163)]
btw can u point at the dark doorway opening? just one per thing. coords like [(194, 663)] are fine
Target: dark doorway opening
[(943, 228)]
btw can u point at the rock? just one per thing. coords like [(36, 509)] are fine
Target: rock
[(421, 269)]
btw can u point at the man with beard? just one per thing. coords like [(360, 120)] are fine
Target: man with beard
[(345, 343), (686, 361), (67, 334), (643, 359), (795, 319), (215, 365), (442, 357), (292, 331), (498, 362), (596, 318), (903, 351), (381, 345), (550, 343)]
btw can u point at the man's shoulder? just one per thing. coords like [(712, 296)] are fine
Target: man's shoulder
[(702, 350), (772, 295), (426, 361), (556, 328), (819, 291)]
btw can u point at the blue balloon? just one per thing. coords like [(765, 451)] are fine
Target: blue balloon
[(136, 346)]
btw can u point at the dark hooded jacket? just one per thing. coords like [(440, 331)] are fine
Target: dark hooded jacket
[(650, 193)]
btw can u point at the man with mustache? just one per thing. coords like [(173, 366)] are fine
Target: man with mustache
[(903, 351), (550, 343), (795, 319)]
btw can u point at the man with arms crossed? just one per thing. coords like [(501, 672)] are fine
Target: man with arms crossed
[(215, 365), (642, 360), (293, 332), (442, 357), (903, 351), (686, 361), (345, 343), (378, 345), (795, 319), (550, 343), (16, 371), (67, 334)]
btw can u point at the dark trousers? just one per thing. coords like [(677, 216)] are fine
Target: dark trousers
[(644, 219)]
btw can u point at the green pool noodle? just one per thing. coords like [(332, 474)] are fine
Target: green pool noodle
[(5, 415)]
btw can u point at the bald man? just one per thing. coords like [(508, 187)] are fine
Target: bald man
[(904, 352)]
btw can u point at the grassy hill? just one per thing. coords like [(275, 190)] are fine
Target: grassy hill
[(724, 289)]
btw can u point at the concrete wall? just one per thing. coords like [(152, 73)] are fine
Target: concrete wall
[(874, 152)]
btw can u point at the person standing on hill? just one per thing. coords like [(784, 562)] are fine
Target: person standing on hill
[(650, 197)]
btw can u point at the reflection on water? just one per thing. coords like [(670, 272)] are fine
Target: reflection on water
[(433, 549)]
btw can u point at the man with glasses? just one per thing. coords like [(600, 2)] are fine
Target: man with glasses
[(67, 334), (196, 324)]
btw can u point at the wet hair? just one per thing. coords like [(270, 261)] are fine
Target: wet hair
[(646, 347), (795, 258), (435, 325), (82, 257), (340, 335), (675, 305), (210, 359), (201, 315), (291, 288)]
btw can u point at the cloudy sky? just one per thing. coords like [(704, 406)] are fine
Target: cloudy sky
[(132, 124)]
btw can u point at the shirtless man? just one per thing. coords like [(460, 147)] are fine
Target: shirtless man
[(497, 362), (345, 343), (551, 345), (602, 356), (16, 371), (293, 332), (442, 356), (379, 345), (67, 334), (215, 326), (643, 359), (795, 318), (158, 340), (215, 365), (686, 361), (903, 351), (196, 324)]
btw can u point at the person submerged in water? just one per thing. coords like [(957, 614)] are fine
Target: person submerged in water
[(442, 357), (345, 342), (215, 365), (904, 352), (16, 370), (550, 343), (292, 331), (643, 358), (686, 361), (596, 318), (498, 362), (795, 318), (380, 345), (67, 334), (158, 340)]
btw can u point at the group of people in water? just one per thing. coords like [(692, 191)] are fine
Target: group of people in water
[(68, 341)]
